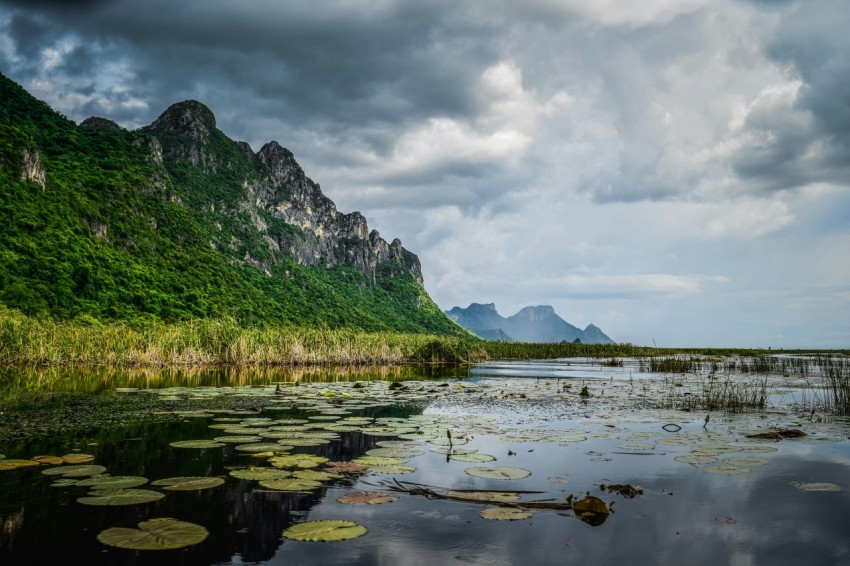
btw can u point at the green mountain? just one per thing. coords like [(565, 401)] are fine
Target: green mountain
[(177, 221)]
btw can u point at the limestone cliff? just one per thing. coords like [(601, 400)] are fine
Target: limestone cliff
[(269, 186)]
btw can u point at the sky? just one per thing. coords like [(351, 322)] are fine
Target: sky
[(676, 172)]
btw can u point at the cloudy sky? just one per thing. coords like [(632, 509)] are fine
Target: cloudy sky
[(670, 170)]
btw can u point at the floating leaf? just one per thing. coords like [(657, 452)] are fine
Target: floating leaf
[(476, 458), (494, 496), (498, 473), (746, 462), (724, 469), (394, 452), (49, 460), (345, 467), (821, 486), (263, 447), (291, 484), (78, 458), (297, 461), (379, 461), (325, 531), (2, 456), (197, 444), (238, 439), (453, 451), (304, 441), (695, 460), (163, 533), (64, 483), (261, 474), (367, 498), (591, 510), (505, 513), (315, 475), (105, 497), (190, 483), (113, 482), (80, 471), (18, 464)]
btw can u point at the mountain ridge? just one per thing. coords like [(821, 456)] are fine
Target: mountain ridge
[(530, 324), (176, 220)]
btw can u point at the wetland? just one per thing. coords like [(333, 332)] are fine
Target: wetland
[(573, 460)]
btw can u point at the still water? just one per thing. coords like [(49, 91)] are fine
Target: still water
[(706, 493)]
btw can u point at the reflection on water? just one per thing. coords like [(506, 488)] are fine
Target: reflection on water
[(75, 379), (700, 503)]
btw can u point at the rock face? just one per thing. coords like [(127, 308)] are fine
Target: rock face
[(531, 324), (270, 189), (100, 124), (33, 168)]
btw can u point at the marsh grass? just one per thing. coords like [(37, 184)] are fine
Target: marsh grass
[(715, 393)]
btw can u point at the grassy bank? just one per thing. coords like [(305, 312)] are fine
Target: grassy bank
[(26, 340)]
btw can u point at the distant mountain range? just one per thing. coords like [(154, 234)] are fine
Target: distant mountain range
[(531, 324)]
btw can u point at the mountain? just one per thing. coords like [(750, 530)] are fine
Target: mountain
[(531, 324), (176, 220)]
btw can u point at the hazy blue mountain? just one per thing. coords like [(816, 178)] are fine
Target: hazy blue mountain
[(532, 324)]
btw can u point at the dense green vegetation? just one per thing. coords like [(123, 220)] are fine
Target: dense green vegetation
[(115, 236)]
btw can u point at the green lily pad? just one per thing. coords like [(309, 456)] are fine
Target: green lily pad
[(261, 474), (453, 451), (498, 473), (163, 533), (695, 460), (6, 465), (394, 452), (325, 531), (197, 444), (238, 439), (379, 461), (366, 498), (263, 447), (2, 456), (64, 482), (505, 513), (297, 461), (476, 458), (190, 483), (78, 458), (345, 467), (113, 482), (493, 496), (291, 484), (106, 497), (315, 475), (746, 462), (820, 486), (304, 441), (80, 471)]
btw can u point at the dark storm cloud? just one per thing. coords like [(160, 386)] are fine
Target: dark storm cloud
[(812, 40), (337, 67)]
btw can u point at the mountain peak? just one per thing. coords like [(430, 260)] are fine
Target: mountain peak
[(482, 306), (190, 117)]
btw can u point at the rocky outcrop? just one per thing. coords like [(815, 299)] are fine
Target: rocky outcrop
[(33, 168), (272, 184)]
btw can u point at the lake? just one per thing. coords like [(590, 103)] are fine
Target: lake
[(550, 462)]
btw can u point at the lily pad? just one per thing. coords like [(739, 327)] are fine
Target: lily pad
[(394, 469), (79, 471), (591, 510), (297, 461), (64, 482), (325, 531), (366, 498), (394, 452), (107, 497), (695, 460), (453, 451), (49, 460), (476, 458), (163, 533), (113, 482), (263, 447), (505, 513), (238, 439), (498, 473), (346, 467), (78, 458), (197, 444), (494, 496), (189, 483), (315, 475), (379, 461), (261, 474), (746, 462), (291, 484), (820, 486), (6, 465)]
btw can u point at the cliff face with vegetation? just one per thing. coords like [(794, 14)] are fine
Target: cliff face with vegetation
[(176, 221)]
